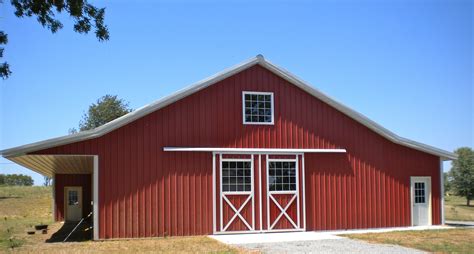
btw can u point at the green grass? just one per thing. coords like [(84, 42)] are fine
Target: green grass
[(444, 241), (455, 208), (20, 209), (23, 207)]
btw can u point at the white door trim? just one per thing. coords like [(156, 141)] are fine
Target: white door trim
[(223, 197), (300, 193), (296, 196), (429, 196)]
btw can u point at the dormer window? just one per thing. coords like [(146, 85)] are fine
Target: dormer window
[(257, 107)]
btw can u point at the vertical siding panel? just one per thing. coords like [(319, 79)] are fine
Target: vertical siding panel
[(323, 202), (318, 201), (162, 176), (116, 194), (142, 183), (109, 204), (158, 212)]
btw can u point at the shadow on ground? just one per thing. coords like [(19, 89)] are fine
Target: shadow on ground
[(82, 233)]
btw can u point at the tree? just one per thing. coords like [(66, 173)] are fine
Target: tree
[(462, 173), (85, 16), (447, 182), (106, 109), (47, 181), (15, 180)]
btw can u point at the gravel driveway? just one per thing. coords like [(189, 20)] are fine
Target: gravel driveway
[(341, 245)]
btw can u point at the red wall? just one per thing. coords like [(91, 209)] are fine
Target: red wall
[(66, 180), (147, 192)]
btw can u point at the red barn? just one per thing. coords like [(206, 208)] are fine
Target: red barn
[(251, 149)]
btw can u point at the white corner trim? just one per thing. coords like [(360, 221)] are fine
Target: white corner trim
[(53, 192), (96, 198), (441, 182), (132, 116), (250, 150)]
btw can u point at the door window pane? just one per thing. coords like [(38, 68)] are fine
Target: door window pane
[(420, 197), (236, 176), (73, 198), (282, 176)]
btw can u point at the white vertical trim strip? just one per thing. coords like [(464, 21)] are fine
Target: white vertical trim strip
[(411, 201), (96, 197), (214, 193), (53, 193), (220, 191), (267, 193), (441, 182), (252, 187), (430, 203), (304, 190), (298, 218), (260, 188)]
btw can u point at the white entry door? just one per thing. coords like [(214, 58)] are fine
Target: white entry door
[(421, 201), (73, 203)]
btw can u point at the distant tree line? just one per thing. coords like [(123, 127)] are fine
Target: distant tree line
[(16, 180)]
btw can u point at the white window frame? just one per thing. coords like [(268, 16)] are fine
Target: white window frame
[(251, 177), (272, 108)]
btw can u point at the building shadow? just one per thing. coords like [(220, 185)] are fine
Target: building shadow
[(82, 233)]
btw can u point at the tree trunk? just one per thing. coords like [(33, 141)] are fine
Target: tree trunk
[(468, 201)]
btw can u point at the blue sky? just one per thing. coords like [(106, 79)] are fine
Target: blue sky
[(407, 65)]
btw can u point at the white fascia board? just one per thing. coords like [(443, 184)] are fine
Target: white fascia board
[(130, 117), (250, 150), (444, 155)]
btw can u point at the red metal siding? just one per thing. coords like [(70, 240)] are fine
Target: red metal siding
[(66, 180), (147, 192)]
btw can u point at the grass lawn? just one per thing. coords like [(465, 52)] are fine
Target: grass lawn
[(23, 207), (455, 209), (444, 240), (20, 209)]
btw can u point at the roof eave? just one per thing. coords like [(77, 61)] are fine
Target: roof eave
[(130, 117)]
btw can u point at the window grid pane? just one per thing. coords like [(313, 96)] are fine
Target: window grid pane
[(420, 193), (282, 176), (236, 176), (258, 108), (73, 198)]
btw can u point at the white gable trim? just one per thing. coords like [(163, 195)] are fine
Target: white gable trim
[(130, 117)]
